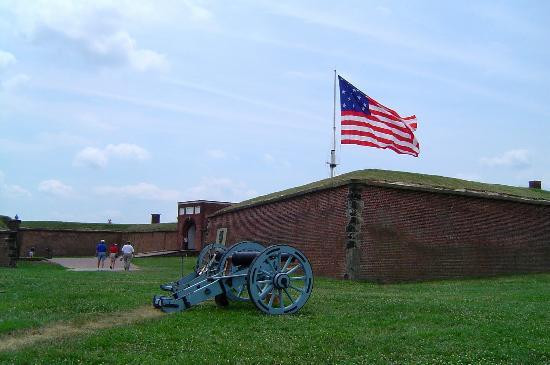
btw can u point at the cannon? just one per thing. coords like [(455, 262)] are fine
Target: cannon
[(277, 279)]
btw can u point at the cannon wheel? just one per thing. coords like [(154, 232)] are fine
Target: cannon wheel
[(235, 288), (280, 280), (207, 256)]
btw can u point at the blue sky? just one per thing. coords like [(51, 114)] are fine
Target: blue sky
[(122, 109)]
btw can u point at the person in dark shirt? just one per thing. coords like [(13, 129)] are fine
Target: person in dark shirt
[(101, 253)]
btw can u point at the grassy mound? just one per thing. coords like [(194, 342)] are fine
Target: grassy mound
[(99, 226), (404, 178)]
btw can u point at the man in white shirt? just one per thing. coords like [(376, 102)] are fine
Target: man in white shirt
[(127, 254)]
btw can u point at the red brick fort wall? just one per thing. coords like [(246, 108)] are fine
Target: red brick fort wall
[(314, 223), (415, 235)]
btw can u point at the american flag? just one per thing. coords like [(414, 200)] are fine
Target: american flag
[(366, 122)]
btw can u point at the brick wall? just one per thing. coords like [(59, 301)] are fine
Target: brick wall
[(314, 223), (4, 249), (83, 243), (388, 234), (414, 235)]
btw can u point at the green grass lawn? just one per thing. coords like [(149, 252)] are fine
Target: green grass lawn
[(500, 320)]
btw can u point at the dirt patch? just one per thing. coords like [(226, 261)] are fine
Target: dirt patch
[(62, 330), (89, 264)]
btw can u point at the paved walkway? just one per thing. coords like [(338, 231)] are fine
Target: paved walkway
[(89, 264), (156, 253)]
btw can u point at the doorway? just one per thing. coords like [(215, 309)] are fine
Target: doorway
[(191, 237)]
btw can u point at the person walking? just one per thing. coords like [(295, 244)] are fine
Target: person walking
[(127, 254), (113, 251), (101, 253)]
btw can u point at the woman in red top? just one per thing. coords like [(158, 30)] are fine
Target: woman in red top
[(113, 251)]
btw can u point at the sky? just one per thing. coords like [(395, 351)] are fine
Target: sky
[(119, 109)]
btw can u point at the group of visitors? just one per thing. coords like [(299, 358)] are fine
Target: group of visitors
[(101, 253)]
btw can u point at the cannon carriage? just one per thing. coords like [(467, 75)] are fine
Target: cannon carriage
[(277, 279)]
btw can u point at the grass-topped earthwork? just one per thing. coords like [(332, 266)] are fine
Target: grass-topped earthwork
[(51, 315), (402, 178), (99, 226)]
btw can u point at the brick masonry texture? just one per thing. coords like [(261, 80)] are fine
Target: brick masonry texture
[(314, 223), (4, 249), (412, 235), (83, 243), (400, 234)]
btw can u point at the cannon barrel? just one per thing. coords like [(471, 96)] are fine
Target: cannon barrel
[(244, 258)]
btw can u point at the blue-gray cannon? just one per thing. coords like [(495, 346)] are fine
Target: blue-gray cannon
[(277, 279)]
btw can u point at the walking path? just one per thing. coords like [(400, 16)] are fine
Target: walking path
[(60, 330), (89, 264), (157, 253)]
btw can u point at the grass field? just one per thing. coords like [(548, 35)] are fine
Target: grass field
[(50, 315)]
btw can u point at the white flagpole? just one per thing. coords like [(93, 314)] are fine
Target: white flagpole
[(333, 163)]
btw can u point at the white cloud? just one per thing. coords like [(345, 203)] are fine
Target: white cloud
[(99, 158), (141, 190), (518, 159), (97, 30), (91, 157), (271, 160), (92, 121), (383, 10), (216, 154), (127, 151), (11, 190), (6, 59), (41, 143), (222, 189), (120, 46), (56, 188), (15, 81), (306, 75), (268, 157), (486, 58)]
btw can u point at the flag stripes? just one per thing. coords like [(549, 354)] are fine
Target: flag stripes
[(366, 122)]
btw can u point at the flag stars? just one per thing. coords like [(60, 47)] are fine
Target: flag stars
[(343, 91)]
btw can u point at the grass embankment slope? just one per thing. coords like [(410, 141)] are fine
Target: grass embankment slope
[(499, 320), (403, 178), (3, 220), (99, 226)]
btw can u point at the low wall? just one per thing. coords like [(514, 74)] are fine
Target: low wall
[(64, 242), (4, 249)]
